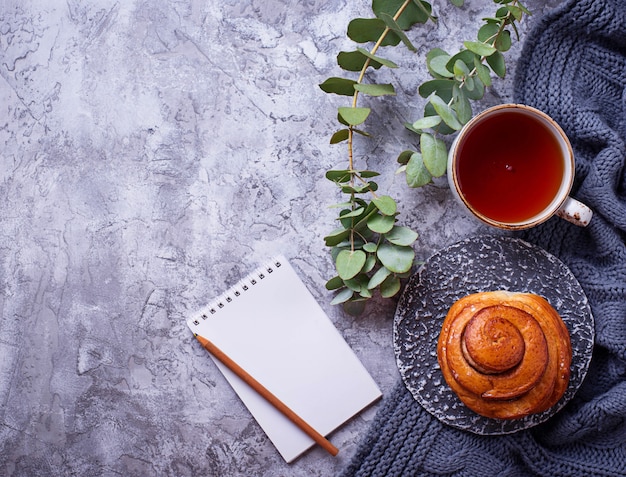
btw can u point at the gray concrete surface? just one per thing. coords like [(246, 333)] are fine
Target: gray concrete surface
[(152, 153)]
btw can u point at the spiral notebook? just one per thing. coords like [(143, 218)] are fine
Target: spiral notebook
[(270, 324)]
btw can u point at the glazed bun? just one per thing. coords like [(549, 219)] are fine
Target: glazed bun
[(506, 355)]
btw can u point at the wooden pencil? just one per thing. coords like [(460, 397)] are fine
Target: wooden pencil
[(268, 395)]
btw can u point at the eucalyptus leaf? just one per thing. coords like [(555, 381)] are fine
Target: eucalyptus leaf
[(370, 263), (480, 48), (341, 86), (390, 287), (502, 13), (362, 133), (370, 247), (342, 297), (349, 263), (496, 61), (397, 29), (404, 156), (385, 204), (434, 153), (355, 61), (457, 3), (461, 105), (352, 213), (515, 11), (365, 293), (377, 59), (381, 223), (354, 116), (396, 258), (483, 73), (426, 122), (445, 112), (334, 283), (378, 277), (465, 56), (477, 91), (503, 42), (368, 174), (459, 69), (339, 136), (354, 306), (356, 283), (488, 32), (336, 237), (400, 235), (439, 66), (411, 15), (340, 176), (375, 89), (364, 30), (443, 88), (416, 173)]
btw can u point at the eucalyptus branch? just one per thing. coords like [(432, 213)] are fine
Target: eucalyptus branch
[(457, 80), (370, 251)]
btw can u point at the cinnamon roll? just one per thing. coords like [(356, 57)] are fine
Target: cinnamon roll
[(506, 355)]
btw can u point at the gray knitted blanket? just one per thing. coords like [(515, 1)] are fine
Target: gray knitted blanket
[(573, 67)]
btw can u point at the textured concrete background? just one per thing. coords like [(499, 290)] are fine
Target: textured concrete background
[(152, 154)]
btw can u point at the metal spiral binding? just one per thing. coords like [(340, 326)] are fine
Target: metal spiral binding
[(239, 289)]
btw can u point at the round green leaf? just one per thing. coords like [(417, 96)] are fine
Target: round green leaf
[(496, 61), (354, 306), (349, 263), (340, 86), (434, 153), (381, 223), (364, 30), (370, 247), (375, 89), (503, 42), (400, 235), (427, 122), (416, 173), (488, 32), (334, 283), (385, 204), (355, 61), (390, 287), (438, 66), (443, 88), (354, 116), (445, 112), (396, 258), (404, 156)]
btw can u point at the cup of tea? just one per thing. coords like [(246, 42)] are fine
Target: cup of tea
[(512, 167)]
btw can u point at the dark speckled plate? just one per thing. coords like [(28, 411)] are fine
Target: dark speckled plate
[(474, 265)]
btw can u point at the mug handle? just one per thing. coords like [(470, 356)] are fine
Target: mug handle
[(575, 212)]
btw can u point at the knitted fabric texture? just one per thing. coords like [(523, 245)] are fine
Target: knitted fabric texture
[(573, 67)]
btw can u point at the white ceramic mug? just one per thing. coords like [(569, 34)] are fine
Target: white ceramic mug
[(512, 167)]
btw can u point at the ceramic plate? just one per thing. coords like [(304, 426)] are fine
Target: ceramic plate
[(475, 265)]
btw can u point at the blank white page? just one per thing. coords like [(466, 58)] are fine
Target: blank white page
[(270, 324)]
